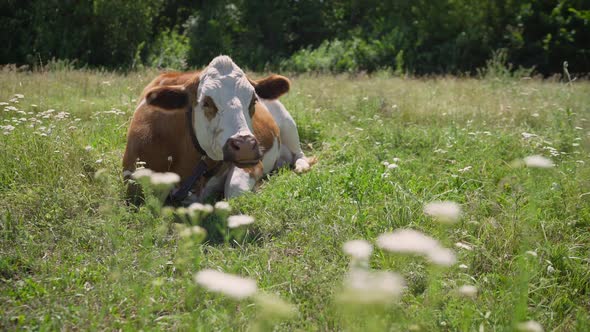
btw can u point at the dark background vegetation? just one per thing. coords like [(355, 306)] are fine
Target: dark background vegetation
[(406, 36)]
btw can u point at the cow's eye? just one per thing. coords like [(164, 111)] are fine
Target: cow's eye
[(252, 107), (209, 108)]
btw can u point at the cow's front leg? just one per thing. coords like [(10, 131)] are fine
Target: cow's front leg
[(241, 180)]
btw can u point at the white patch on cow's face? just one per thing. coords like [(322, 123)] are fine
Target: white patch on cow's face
[(226, 84)]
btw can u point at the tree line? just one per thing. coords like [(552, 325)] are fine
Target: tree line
[(410, 36)]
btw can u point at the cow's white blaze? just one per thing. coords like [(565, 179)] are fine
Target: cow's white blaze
[(225, 83)]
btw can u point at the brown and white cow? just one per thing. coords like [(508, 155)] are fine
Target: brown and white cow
[(240, 125)]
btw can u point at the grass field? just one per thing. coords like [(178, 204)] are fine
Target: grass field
[(74, 256)]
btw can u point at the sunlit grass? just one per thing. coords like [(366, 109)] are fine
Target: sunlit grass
[(73, 256)]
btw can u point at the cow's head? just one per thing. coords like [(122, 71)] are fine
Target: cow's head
[(224, 101)]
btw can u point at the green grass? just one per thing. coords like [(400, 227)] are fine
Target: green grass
[(73, 256)]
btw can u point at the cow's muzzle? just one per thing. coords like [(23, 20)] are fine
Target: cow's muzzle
[(242, 150)]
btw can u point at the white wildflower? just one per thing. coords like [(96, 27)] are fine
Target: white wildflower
[(99, 161), (468, 291), (227, 284), (463, 267), (4, 103), (358, 249), (444, 211), (192, 230), (407, 241), (239, 220), (222, 206), (385, 163), (7, 128), (10, 108), (87, 148), (19, 96), (166, 178), (396, 160), (537, 161), (200, 208), (442, 256), (529, 326), (392, 166), (142, 172), (531, 252), (364, 287)]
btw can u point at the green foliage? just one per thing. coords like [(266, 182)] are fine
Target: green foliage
[(169, 50), (434, 37)]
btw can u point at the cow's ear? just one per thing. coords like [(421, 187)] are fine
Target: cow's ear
[(168, 97), (271, 87)]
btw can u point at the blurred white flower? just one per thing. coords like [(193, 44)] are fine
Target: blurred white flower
[(142, 172), (463, 266), (19, 96), (392, 166), (407, 241), (227, 284), (444, 211), (10, 108), (396, 160), (358, 249), (99, 161), (385, 163), (532, 253), (364, 287), (239, 220), (88, 148), (223, 206), (529, 326), (198, 207), (192, 230), (166, 178), (537, 161), (442, 256), (468, 291)]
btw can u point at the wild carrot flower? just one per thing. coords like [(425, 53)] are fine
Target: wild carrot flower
[(407, 241), (444, 211), (410, 241), (529, 326), (223, 206), (537, 161), (468, 291), (358, 249), (364, 287), (227, 284), (167, 178), (142, 172), (442, 256), (239, 220)]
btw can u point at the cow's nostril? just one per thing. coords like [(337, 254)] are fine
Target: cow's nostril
[(234, 144)]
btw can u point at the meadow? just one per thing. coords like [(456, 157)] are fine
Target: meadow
[(74, 256)]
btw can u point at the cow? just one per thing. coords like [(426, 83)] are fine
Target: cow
[(233, 127)]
